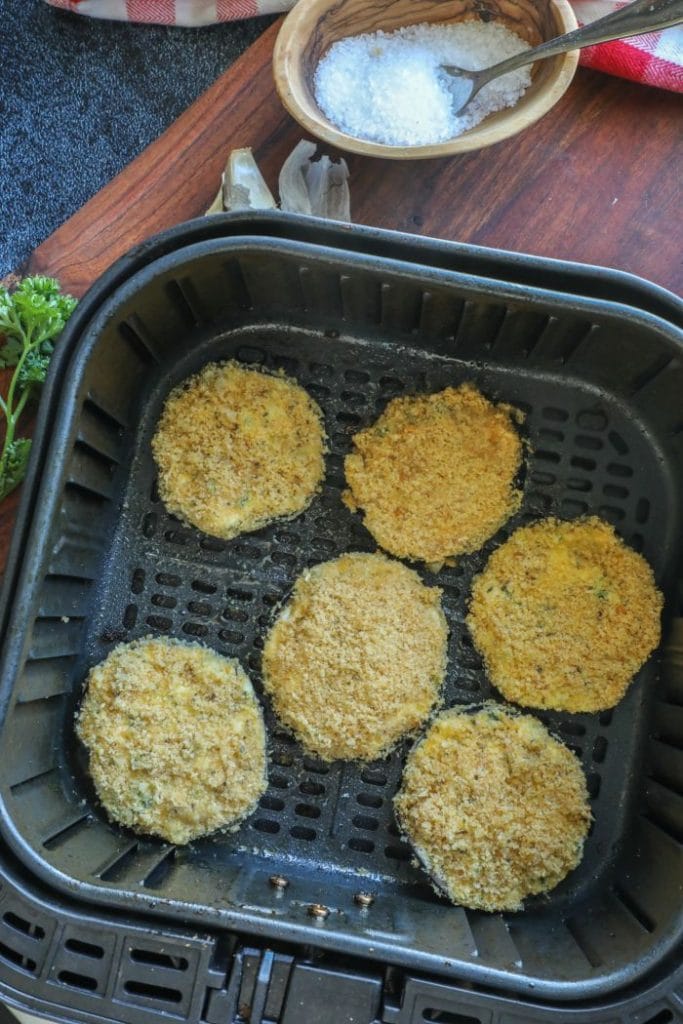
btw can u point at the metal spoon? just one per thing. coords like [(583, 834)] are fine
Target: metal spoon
[(640, 16)]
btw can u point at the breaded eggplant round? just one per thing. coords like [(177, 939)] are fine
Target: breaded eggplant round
[(237, 448), (434, 476), (564, 615), (356, 659), (495, 808), (175, 736)]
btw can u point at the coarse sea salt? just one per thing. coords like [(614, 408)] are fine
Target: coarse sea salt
[(387, 87)]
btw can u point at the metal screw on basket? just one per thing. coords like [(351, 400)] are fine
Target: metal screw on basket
[(279, 882), (364, 900), (318, 911)]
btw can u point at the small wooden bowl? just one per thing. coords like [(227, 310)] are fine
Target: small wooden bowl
[(313, 25)]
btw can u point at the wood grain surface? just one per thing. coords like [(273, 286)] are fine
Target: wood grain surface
[(597, 180)]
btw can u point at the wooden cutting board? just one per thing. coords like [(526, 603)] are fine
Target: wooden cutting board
[(597, 180)]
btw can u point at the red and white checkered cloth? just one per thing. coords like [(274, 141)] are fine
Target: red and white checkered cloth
[(654, 59)]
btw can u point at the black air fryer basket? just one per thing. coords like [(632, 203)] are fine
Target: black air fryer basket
[(273, 923)]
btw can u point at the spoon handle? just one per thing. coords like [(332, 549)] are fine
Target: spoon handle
[(638, 17)]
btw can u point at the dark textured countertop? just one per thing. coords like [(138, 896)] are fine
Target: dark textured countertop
[(80, 98)]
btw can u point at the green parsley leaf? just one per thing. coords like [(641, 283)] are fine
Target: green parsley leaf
[(31, 318), (34, 368), (10, 352), (13, 468), (40, 308)]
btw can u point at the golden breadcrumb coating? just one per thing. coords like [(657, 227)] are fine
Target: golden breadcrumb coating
[(176, 738), (237, 448), (357, 657), (564, 615), (434, 475), (494, 807)]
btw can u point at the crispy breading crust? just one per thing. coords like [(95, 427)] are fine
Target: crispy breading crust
[(564, 615), (357, 657), (494, 807), (434, 475), (238, 448), (176, 738)]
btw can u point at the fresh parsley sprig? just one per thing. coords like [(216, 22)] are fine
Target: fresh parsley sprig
[(31, 318)]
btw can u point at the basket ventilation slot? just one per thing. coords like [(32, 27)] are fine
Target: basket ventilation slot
[(435, 1016), (156, 959), (182, 295), (66, 832), (74, 980), (82, 948), (134, 332), (16, 959), (155, 992)]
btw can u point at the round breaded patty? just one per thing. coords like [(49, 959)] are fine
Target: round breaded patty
[(434, 475), (176, 738), (494, 807), (357, 657), (564, 615), (236, 448)]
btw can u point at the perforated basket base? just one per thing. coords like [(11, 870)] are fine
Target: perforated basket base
[(597, 385), (170, 579)]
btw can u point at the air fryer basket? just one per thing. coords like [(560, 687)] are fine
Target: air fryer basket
[(601, 385)]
